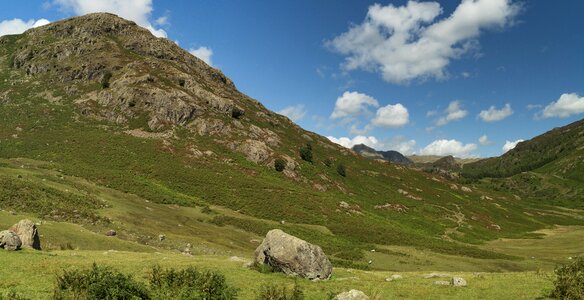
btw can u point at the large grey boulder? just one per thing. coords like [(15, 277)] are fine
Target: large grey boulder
[(9, 240), (293, 256), (351, 295), (28, 234)]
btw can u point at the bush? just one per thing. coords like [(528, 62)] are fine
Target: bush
[(273, 292), (105, 80), (98, 283), (181, 82), (237, 112), (306, 153), (342, 170), (569, 283), (189, 284), (279, 164), (328, 162)]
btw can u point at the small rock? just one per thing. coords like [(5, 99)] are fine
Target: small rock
[(351, 295), (111, 232), (9, 240), (458, 281), (161, 237), (188, 251), (441, 282)]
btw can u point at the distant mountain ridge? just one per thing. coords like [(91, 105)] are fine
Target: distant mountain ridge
[(392, 156)]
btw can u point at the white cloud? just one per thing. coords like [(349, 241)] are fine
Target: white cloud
[(138, 11), (465, 74), (448, 147), (510, 145), (204, 53), (391, 116), (294, 113), (567, 105), (398, 143), (493, 114), (484, 140), (407, 42), (352, 104), (17, 26), (534, 106), (453, 112), (162, 21), (431, 113)]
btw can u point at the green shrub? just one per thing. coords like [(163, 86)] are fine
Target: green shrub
[(306, 153), (237, 112), (105, 80), (98, 283), (274, 292), (328, 162), (569, 282), (189, 284), (342, 170), (12, 295), (181, 82), (279, 164)]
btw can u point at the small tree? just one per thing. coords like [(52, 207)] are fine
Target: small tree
[(105, 80), (279, 165), (306, 152), (342, 170)]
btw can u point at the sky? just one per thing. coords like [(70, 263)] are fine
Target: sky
[(468, 78)]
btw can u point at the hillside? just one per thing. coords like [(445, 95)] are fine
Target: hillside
[(391, 156), (549, 167), (107, 126)]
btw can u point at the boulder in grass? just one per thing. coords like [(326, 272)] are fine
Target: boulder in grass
[(458, 281), (9, 240), (111, 232), (293, 256), (28, 234), (351, 295)]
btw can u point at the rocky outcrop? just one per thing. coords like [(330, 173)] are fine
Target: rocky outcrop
[(293, 256), (28, 234), (351, 295), (254, 151), (9, 240)]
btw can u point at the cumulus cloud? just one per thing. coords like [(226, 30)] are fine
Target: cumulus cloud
[(452, 113), (138, 11), (484, 140), (493, 114), (294, 113), (398, 143), (391, 116), (352, 104), (567, 105), (204, 53), (17, 26), (448, 147), (510, 145), (408, 42)]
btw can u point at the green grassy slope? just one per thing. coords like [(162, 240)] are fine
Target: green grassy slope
[(77, 164)]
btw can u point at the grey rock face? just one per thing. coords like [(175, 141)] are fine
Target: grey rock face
[(293, 256), (458, 281)]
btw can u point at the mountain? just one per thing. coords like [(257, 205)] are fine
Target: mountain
[(549, 167), (391, 156), (104, 126)]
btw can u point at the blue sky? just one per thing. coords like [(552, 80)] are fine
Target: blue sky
[(449, 77)]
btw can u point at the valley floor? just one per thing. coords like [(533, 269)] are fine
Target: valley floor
[(32, 274)]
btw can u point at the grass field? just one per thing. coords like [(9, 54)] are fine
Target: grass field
[(36, 281)]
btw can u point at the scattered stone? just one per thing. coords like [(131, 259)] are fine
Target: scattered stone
[(393, 277), (111, 232), (293, 256), (161, 237), (351, 295), (9, 240), (28, 234), (466, 189), (188, 250), (458, 281), (441, 282), (434, 275)]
